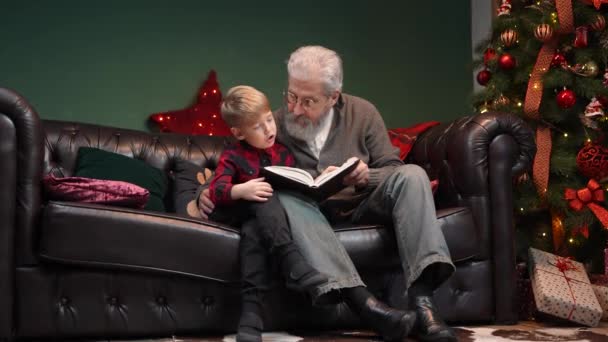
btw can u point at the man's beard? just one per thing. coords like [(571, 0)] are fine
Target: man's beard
[(300, 127)]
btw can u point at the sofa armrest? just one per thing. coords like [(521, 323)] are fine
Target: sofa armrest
[(21, 156), (475, 159)]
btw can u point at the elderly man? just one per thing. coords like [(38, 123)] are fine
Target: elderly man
[(323, 127)]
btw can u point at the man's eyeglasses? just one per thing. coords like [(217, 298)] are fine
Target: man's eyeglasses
[(306, 103)]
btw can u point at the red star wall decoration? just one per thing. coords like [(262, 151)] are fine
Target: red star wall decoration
[(203, 118)]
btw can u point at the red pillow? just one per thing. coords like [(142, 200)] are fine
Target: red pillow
[(100, 191), (434, 185), (404, 138)]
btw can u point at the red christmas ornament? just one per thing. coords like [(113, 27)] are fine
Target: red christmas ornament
[(592, 162), (558, 60), (599, 24), (483, 77), (543, 32), (506, 61), (566, 98), (580, 39), (488, 55), (203, 118)]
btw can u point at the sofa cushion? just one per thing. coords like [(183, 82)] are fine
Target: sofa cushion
[(112, 237), (367, 245), (100, 164)]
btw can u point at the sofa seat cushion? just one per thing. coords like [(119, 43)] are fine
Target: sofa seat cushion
[(374, 246), (114, 237)]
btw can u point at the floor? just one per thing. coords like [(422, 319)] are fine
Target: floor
[(524, 331)]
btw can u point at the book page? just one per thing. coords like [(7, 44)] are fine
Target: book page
[(296, 174), (327, 176)]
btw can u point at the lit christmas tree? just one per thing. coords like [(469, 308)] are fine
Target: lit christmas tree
[(547, 61)]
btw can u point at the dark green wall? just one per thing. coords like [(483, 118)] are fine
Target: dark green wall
[(115, 63)]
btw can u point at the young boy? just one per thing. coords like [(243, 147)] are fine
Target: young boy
[(239, 194)]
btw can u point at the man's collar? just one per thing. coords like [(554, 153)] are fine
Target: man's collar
[(340, 103)]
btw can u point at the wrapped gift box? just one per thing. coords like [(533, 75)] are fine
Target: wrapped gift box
[(562, 289), (599, 282)]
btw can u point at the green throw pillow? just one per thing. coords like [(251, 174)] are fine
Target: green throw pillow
[(100, 164)]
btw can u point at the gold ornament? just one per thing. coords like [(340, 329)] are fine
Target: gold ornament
[(557, 226), (543, 32), (588, 69), (509, 37), (501, 101), (599, 24), (483, 108)]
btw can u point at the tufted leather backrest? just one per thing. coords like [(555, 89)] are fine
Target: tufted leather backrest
[(63, 139), (161, 150)]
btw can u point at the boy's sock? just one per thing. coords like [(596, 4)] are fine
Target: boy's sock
[(251, 323)]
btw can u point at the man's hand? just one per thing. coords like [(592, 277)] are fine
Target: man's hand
[(359, 177), (253, 190), (327, 169), (205, 205)]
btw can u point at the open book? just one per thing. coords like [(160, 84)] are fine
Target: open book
[(318, 188)]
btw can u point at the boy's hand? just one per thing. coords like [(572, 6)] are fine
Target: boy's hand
[(253, 190), (205, 205)]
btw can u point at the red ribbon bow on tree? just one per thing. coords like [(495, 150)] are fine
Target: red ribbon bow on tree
[(596, 3), (578, 199)]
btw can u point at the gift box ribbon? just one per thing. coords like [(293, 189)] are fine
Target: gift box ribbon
[(563, 265)]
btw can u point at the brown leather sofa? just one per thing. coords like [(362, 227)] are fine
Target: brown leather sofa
[(76, 270)]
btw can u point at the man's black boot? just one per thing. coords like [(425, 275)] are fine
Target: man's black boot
[(251, 323), (299, 275), (430, 327), (392, 324)]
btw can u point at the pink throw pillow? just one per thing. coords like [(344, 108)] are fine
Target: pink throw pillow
[(100, 191)]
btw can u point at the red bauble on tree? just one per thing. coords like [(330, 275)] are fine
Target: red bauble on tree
[(565, 98), (581, 39), (203, 118), (506, 61), (592, 162), (558, 60), (489, 55), (483, 77)]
